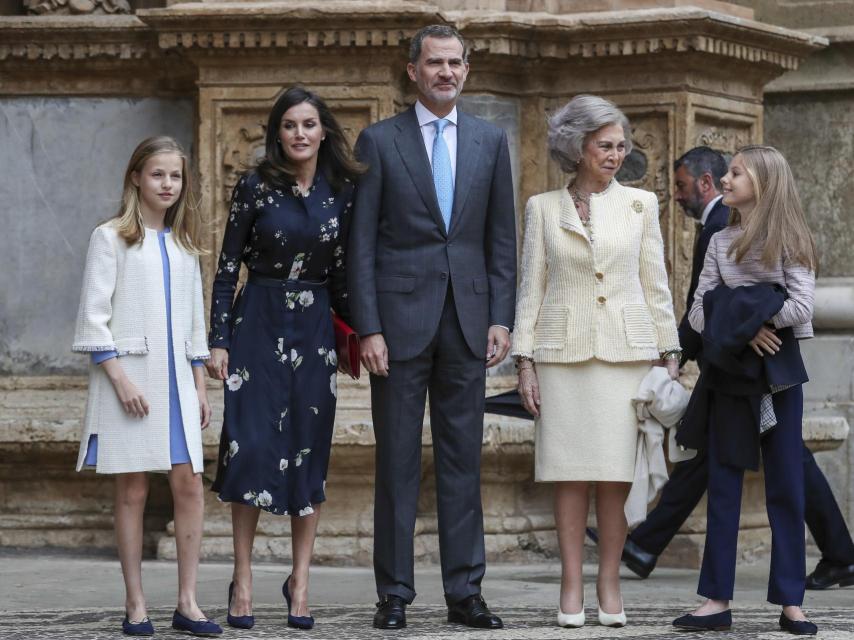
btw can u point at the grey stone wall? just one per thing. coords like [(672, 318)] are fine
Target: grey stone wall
[(63, 161), (816, 133), (504, 113)]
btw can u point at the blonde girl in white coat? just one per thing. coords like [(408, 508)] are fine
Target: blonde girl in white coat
[(141, 318)]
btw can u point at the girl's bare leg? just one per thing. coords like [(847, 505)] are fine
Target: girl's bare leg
[(130, 495)]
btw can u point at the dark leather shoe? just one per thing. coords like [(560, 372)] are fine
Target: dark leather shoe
[(797, 627), (828, 574), (639, 562), (716, 622), (391, 613), (473, 612)]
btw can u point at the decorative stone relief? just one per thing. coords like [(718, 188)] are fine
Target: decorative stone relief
[(76, 7), (726, 139), (649, 139)]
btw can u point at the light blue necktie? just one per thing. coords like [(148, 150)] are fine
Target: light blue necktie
[(443, 177)]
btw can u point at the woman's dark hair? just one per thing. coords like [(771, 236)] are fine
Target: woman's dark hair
[(335, 157)]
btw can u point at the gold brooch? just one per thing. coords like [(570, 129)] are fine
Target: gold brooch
[(637, 205)]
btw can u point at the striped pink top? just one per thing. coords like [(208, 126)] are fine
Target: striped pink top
[(719, 268)]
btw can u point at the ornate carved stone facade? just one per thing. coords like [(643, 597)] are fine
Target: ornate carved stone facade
[(683, 74)]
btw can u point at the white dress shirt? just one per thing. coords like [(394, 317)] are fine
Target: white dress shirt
[(426, 118), (708, 210)]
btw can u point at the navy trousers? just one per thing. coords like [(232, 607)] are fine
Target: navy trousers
[(688, 482), (782, 461)]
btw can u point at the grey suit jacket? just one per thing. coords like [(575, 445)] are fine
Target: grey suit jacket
[(400, 256)]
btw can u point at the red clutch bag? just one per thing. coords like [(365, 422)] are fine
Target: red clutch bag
[(347, 346)]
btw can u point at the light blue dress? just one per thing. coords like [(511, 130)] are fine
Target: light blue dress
[(178, 451)]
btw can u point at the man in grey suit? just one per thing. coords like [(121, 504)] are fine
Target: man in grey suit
[(432, 280)]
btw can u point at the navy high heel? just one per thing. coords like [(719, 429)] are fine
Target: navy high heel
[(297, 622), (202, 627), (238, 622), (141, 628)]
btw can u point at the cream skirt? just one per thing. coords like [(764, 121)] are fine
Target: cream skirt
[(587, 429)]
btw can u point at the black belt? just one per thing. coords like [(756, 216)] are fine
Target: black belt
[(286, 284)]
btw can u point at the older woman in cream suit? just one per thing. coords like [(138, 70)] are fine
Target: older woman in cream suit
[(593, 313)]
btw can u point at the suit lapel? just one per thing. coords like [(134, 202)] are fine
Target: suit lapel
[(410, 146), (569, 218), (468, 156)]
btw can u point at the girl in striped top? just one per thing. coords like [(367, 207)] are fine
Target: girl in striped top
[(767, 240)]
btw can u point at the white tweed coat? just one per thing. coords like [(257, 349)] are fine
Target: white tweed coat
[(123, 308), (607, 299)]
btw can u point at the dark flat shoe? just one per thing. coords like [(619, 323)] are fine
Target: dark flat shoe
[(797, 627), (828, 574), (715, 622), (238, 622), (473, 612), (391, 613), (141, 628), (297, 622), (202, 627)]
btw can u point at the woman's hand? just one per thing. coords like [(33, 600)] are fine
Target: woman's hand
[(766, 339), (529, 390), (217, 364), (204, 407), (133, 402), (672, 366)]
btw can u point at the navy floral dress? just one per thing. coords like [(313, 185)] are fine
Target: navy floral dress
[(281, 389)]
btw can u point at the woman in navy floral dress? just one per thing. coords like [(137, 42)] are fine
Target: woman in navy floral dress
[(274, 344)]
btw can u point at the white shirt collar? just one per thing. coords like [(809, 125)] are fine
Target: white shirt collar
[(425, 116), (708, 209)]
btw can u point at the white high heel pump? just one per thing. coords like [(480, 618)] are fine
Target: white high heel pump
[(613, 619), (571, 620)]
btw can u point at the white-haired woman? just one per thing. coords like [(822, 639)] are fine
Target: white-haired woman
[(593, 313)]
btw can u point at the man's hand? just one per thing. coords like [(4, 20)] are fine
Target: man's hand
[(766, 340), (497, 345), (374, 354)]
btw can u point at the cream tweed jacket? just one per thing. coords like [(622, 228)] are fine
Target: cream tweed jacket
[(605, 298), (123, 309)]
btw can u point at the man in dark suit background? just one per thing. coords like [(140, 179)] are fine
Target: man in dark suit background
[(432, 280), (697, 177), (697, 189)]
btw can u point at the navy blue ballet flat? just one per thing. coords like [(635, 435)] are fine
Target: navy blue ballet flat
[(297, 622), (203, 627), (238, 622), (721, 621), (141, 628), (798, 627)]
